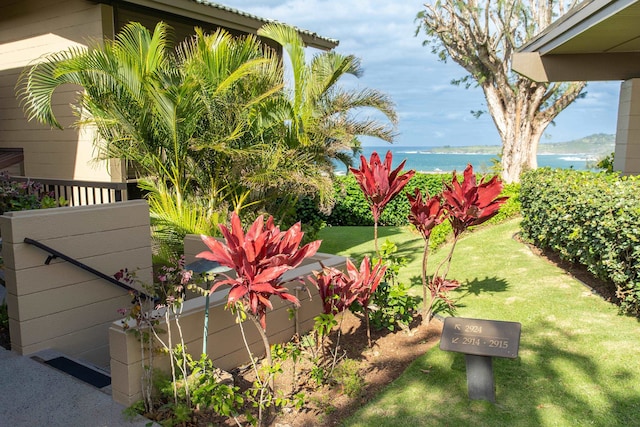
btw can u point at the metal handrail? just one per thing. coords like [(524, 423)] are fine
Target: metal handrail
[(56, 254)]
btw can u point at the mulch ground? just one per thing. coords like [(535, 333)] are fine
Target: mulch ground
[(379, 365)]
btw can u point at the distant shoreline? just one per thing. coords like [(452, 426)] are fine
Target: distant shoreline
[(598, 145), (590, 154)]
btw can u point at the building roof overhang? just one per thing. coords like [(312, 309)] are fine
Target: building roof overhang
[(596, 40), (220, 15)]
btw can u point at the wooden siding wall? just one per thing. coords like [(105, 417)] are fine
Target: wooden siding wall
[(60, 306), (30, 29)]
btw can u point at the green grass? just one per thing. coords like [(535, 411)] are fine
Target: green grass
[(578, 362)]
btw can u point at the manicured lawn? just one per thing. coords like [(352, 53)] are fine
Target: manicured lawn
[(578, 363)]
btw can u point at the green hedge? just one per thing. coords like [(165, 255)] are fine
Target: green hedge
[(352, 209), (588, 218)]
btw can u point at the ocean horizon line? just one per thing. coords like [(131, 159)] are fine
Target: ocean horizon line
[(430, 163)]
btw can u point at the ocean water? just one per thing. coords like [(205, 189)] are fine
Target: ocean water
[(423, 161)]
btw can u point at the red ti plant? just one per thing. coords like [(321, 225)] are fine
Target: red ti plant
[(466, 204), (335, 289), (425, 215), (380, 184), (366, 281), (471, 203), (260, 258), (339, 290)]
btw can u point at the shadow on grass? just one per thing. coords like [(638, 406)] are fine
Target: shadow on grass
[(548, 384), (480, 286), (474, 287), (389, 361)]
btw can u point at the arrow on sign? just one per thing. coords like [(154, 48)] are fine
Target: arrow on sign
[(454, 340), (457, 327)]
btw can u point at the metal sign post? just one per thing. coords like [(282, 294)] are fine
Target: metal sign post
[(480, 340)]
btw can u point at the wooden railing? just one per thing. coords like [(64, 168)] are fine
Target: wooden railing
[(80, 193)]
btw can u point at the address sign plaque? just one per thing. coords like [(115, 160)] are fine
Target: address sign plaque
[(480, 341), (481, 337)]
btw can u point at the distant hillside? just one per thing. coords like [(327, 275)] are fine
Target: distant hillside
[(597, 144)]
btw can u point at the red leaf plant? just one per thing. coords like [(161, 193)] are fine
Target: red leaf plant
[(440, 288), (380, 184), (260, 258), (335, 289), (465, 204), (366, 279), (470, 203), (338, 290), (425, 215)]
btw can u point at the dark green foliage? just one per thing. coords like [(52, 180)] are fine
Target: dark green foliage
[(588, 218), (351, 208), (306, 211), (511, 207)]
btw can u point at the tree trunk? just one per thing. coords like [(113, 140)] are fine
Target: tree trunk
[(519, 152), (520, 127), (481, 37)]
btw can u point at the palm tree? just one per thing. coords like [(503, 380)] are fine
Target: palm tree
[(182, 118), (318, 114), (208, 125)]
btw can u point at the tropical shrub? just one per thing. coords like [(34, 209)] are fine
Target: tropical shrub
[(351, 207), (259, 258), (20, 196), (339, 290), (588, 218), (392, 306)]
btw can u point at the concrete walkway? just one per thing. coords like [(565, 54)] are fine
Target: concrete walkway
[(33, 394)]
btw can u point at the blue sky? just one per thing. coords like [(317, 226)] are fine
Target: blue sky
[(431, 111)]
